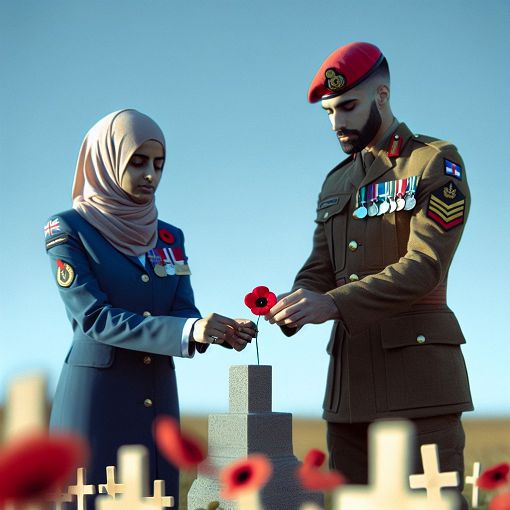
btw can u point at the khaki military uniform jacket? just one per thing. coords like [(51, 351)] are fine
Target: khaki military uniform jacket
[(396, 350)]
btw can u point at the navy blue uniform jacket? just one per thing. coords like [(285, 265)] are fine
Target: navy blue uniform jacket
[(127, 324)]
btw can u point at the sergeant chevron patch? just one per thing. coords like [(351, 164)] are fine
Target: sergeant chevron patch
[(446, 206)]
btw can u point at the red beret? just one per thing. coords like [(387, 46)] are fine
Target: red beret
[(344, 69)]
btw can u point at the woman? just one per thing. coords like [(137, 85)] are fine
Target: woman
[(124, 279)]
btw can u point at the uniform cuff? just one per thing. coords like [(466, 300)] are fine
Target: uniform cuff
[(187, 347)]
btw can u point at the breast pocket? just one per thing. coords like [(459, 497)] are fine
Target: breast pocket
[(424, 366), (332, 212)]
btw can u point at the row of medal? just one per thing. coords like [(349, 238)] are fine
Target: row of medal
[(386, 197), (165, 262)]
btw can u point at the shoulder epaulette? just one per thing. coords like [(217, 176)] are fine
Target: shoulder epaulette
[(439, 145)]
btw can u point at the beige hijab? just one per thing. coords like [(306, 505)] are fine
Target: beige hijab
[(97, 195)]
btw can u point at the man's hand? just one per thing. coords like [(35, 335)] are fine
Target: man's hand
[(303, 307), (216, 329)]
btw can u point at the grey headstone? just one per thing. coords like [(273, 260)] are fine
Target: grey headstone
[(251, 427)]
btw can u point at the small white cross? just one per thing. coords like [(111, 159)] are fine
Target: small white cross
[(25, 409), (132, 461), (81, 490), (158, 497), (471, 480), (432, 480), (388, 489), (110, 487)]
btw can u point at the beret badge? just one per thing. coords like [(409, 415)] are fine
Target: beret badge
[(334, 81)]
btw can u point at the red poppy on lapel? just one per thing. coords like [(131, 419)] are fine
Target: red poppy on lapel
[(166, 236)]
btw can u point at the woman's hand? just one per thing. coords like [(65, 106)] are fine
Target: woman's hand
[(216, 329)]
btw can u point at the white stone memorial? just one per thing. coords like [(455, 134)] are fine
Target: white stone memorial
[(251, 427)]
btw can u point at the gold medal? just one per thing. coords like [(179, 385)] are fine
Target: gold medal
[(182, 269), (160, 270)]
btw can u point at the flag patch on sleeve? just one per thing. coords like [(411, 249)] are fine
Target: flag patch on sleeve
[(452, 169), (446, 206)]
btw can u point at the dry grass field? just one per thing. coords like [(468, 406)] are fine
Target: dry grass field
[(487, 441)]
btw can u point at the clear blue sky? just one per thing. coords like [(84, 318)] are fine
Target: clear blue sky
[(227, 82)]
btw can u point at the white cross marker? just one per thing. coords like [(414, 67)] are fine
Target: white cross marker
[(432, 480), (388, 489), (81, 490), (110, 487), (133, 467), (26, 406), (471, 480), (158, 497)]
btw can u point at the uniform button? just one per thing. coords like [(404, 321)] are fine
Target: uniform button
[(145, 278), (353, 246), (147, 314), (420, 339), (354, 278), (147, 360), (326, 214), (396, 137), (147, 402)]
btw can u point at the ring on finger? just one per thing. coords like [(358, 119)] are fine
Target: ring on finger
[(213, 338)]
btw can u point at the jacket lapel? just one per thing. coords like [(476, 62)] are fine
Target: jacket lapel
[(383, 162)]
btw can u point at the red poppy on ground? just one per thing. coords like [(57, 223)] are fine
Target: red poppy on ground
[(33, 467), (314, 458), (260, 300), (181, 449), (166, 236), (245, 475), (500, 502), (494, 477), (312, 478)]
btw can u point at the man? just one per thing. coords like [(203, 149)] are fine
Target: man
[(389, 219)]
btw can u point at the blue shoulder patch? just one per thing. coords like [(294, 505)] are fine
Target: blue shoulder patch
[(452, 169)]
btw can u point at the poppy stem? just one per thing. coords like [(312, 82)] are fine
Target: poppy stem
[(256, 341)]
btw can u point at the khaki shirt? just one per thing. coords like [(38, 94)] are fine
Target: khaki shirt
[(396, 350)]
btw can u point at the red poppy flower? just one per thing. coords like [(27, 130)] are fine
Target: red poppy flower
[(181, 449), (312, 478), (494, 477), (166, 236), (260, 300), (245, 475), (35, 466), (314, 458), (500, 502)]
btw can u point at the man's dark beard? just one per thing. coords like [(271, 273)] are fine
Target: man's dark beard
[(365, 135)]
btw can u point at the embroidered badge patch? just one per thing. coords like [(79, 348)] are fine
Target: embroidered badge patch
[(453, 169), (446, 206), (52, 227), (334, 81), (62, 238), (65, 273)]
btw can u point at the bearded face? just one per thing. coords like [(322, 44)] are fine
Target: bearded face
[(355, 118)]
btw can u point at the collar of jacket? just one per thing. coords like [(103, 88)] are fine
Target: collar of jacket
[(383, 162)]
